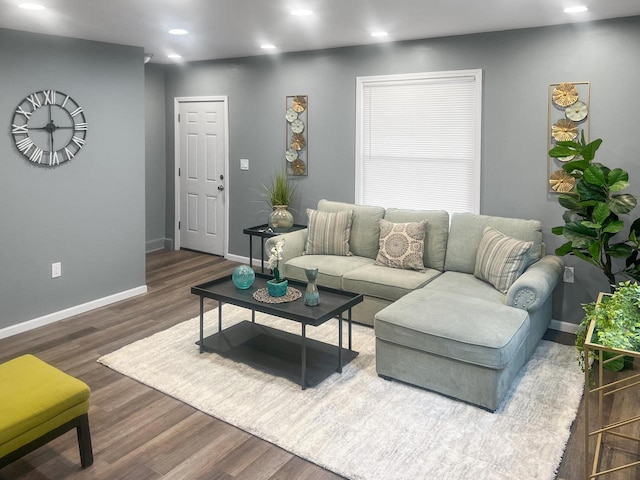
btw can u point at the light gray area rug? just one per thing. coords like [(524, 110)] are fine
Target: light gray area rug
[(359, 425)]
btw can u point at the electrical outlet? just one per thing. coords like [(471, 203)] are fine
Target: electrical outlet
[(569, 275), (244, 164), (56, 270)]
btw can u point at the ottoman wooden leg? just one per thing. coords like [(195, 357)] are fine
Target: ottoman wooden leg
[(84, 441)]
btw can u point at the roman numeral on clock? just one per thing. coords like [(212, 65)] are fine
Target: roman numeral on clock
[(25, 145), (34, 100), (26, 114), (49, 97), (78, 141), (36, 156), (53, 158), (16, 129)]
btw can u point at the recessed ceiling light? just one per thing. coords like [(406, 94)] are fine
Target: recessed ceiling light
[(267, 46), (301, 12), (174, 56), (379, 34), (32, 6), (178, 31), (576, 9)]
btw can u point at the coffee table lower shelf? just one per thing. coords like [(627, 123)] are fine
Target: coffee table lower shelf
[(277, 352)]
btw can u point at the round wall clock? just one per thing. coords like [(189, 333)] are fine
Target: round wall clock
[(49, 127)]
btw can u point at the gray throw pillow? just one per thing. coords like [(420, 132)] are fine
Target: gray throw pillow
[(328, 233), (500, 260)]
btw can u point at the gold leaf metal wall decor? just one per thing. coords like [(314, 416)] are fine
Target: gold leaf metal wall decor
[(561, 182), (565, 94), (299, 103), (568, 119), (297, 135), (298, 142), (564, 130), (577, 112)]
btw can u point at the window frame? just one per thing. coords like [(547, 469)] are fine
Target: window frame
[(363, 82)]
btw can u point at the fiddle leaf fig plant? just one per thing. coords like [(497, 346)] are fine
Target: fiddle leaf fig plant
[(593, 210)]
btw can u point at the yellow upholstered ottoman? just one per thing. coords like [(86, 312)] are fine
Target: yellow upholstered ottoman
[(38, 403)]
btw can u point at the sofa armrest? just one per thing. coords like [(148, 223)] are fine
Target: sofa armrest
[(534, 286), (294, 243)]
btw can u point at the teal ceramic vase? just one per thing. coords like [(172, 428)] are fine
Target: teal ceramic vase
[(277, 289), (243, 277), (311, 294)]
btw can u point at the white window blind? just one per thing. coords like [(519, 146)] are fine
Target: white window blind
[(418, 141)]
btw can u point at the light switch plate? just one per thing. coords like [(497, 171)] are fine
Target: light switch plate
[(56, 270), (244, 164)]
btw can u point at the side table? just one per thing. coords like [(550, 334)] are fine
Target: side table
[(263, 231)]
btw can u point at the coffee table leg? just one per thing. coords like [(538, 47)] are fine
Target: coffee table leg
[(219, 317), (304, 355), (340, 343), (201, 324), (350, 330)]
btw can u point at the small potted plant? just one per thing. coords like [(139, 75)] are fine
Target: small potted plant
[(279, 196), (277, 286)]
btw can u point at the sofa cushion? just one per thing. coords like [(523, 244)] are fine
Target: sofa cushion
[(454, 326), (467, 286), (365, 231), (401, 245), (500, 260), (328, 232), (331, 268), (466, 232), (436, 232), (384, 282)]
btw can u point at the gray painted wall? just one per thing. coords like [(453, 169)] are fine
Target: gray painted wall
[(155, 153), (518, 66), (89, 212)]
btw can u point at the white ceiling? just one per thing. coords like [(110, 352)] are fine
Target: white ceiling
[(237, 28)]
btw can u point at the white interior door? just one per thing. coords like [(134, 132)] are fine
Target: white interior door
[(202, 153)]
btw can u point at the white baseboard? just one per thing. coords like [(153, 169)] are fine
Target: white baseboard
[(245, 260), (563, 326), (158, 244), (70, 312)]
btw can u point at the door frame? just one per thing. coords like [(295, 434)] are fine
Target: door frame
[(176, 160)]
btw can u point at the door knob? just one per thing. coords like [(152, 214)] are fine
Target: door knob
[(220, 187)]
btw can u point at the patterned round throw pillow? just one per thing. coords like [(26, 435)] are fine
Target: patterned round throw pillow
[(402, 245)]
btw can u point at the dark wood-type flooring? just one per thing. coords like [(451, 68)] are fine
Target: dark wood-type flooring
[(139, 433)]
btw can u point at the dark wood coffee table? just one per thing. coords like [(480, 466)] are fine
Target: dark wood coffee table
[(292, 356)]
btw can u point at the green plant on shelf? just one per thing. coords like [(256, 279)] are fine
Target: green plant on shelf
[(617, 325)]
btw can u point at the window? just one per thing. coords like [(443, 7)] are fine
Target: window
[(418, 140)]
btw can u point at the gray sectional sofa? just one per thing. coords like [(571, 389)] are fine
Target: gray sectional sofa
[(441, 328)]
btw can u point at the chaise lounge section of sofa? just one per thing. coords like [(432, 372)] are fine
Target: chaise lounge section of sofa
[(441, 328)]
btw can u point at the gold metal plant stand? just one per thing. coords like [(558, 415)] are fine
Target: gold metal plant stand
[(602, 390)]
